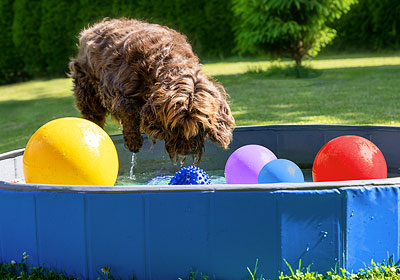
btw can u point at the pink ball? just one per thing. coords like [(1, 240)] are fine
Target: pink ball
[(244, 164)]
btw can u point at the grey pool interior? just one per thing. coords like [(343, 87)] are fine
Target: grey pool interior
[(298, 143), (163, 232)]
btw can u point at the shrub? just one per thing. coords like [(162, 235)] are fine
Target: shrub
[(286, 28)]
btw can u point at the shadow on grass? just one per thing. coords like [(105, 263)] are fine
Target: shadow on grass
[(286, 71), (323, 55)]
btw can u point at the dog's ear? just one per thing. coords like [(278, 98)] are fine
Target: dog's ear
[(220, 122), (221, 132), (150, 122)]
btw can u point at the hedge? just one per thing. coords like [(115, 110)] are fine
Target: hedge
[(25, 34), (57, 40), (44, 32), (370, 25), (39, 36), (10, 61)]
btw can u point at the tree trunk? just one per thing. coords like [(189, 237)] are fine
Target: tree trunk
[(298, 61), (298, 58), (299, 54)]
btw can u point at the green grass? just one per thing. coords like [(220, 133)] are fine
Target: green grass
[(342, 89), (362, 91), (383, 271)]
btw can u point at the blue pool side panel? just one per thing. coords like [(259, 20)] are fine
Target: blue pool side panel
[(164, 232), (372, 225), (167, 235), (311, 225)]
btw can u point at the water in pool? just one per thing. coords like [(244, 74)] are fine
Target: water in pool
[(216, 176), (160, 178), (152, 178)]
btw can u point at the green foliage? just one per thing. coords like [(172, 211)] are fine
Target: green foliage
[(389, 271), (57, 34), (38, 37), (207, 24), (21, 270), (41, 36), (10, 62), (25, 28), (286, 28), (91, 11), (382, 271), (193, 276), (124, 8), (217, 38), (279, 70), (191, 23), (370, 25)]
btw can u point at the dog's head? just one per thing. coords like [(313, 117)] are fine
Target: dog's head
[(187, 111)]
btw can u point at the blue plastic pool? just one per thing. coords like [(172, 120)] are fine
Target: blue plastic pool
[(163, 232)]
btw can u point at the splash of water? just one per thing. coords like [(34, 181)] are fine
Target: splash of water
[(132, 175)]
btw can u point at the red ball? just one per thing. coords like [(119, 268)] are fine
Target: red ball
[(349, 157)]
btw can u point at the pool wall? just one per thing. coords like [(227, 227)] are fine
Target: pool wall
[(164, 232)]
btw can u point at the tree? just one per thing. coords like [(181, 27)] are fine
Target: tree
[(286, 28)]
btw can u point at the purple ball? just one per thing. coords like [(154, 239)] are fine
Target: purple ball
[(244, 164)]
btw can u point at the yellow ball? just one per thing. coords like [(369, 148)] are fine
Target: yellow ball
[(70, 151)]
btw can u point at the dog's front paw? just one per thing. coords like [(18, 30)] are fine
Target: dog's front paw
[(133, 143)]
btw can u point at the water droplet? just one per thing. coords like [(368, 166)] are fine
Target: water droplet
[(352, 214), (132, 175), (372, 217), (324, 234), (307, 249)]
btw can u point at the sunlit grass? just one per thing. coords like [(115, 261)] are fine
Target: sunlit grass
[(345, 89), (37, 89)]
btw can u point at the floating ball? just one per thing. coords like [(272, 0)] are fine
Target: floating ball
[(190, 176), (70, 151), (349, 157), (280, 171), (245, 163)]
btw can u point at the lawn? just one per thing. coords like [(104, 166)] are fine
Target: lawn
[(342, 89)]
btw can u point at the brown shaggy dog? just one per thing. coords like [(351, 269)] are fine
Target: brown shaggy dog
[(149, 79)]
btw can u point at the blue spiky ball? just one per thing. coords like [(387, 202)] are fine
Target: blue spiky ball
[(191, 175)]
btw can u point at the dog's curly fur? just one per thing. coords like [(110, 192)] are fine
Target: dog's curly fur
[(149, 79)]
